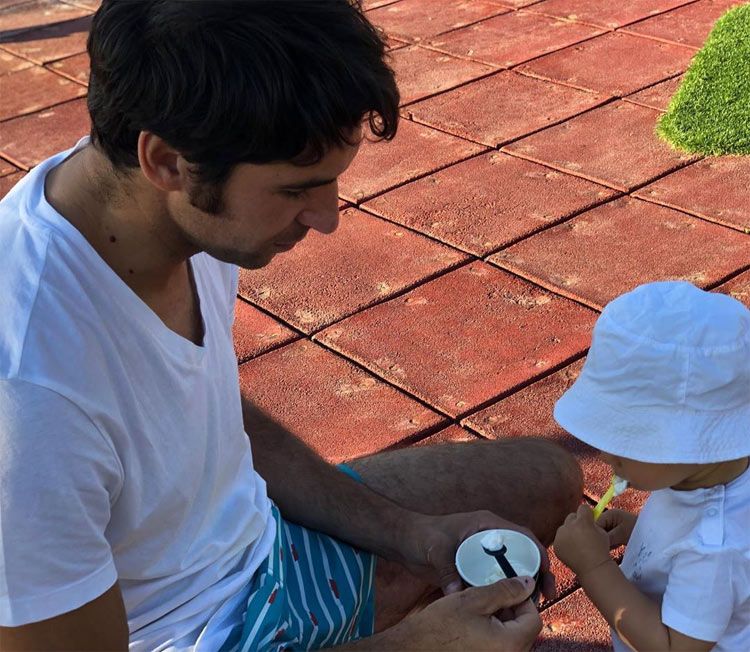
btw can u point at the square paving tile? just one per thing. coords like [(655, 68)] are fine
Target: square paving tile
[(33, 89), (573, 624), (51, 42), (10, 63), (76, 68), (37, 13), (374, 4), (611, 249), (421, 72), (614, 145), (465, 338), (488, 202), (606, 13), (528, 413), (255, 332), (714, 188), (495, 110), (738, 287), (30, 139), (657, 96), (8, 181), (616, 63), (415, 19), (317, 283), (513, 38), (336, 408), (689, 25), (415, 151)]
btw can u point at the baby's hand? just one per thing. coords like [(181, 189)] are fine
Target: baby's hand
[(619, 526), (580, 543)]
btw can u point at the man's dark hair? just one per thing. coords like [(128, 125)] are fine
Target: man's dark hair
[(230, 81)]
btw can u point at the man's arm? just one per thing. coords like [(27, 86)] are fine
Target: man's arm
[(100, 625), (315, 494)]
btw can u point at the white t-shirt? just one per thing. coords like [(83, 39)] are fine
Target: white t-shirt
[(122, 449), (690, 552)]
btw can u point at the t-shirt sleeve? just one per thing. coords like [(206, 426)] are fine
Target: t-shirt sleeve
[(699, 598), (58, 479)]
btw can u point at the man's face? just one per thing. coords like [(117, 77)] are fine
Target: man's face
[(265, 209)]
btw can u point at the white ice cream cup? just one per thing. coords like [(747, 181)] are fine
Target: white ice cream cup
[(477, 568)]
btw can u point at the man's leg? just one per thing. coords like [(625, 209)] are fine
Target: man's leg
[(531, 482)]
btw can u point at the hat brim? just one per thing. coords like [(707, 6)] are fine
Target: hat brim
[(656, 434)]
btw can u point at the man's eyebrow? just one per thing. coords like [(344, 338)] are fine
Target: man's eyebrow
[(312, 183)]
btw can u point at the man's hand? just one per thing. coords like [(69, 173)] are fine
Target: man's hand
[(580, 543), (432, 541), (466, 621), (618, 524)]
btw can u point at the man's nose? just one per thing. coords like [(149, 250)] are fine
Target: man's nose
[(324, 216)]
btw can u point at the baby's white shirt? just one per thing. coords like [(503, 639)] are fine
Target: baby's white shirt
[(690, 552)]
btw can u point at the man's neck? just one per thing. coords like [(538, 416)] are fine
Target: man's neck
[(123, 218)]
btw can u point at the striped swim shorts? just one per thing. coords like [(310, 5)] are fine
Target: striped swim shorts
[(313, 591)]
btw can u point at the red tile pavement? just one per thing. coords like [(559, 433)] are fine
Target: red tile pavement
[(255, 332), (494, 111), (415, 19), (528, 413), (488, 202), (9, 63), (481, 345), (414, 152), (513, 38), (738, 287), (606, 13), (37, 13), (614, 145), (8, 181), (421, 72), (451, 435), (657, 96), (30, 139), (336, 408), (614, 63), (714, 188), (615, 247), (76, 68), (33, 89), (316, 284), (464, 338), (6, 168), (51, 42), (573, 625), (689, 25)]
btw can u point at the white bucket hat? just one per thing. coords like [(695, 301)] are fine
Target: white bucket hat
[(667, 378)]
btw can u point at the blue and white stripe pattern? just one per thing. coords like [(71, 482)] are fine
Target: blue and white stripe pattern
[(313, 591)]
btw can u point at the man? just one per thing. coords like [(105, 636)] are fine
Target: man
[(132, 510)]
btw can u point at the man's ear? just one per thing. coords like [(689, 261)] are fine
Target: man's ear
[(161, 164)]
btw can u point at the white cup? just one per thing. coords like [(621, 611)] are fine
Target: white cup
[(477, 568)]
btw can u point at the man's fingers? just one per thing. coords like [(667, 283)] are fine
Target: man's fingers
[(524, 627), (549, 590), (584, 511), (487, 600), (450, 580), (570, 517)]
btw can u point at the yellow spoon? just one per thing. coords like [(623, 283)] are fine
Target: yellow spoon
[(616, 487)]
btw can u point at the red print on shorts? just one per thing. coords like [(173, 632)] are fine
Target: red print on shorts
[(313, 619), (334, 588), (272, 597), (279, 634), (295, 556)]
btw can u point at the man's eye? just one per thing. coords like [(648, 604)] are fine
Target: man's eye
[(294, 194)]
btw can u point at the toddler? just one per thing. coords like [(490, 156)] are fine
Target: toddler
[(665, 395)]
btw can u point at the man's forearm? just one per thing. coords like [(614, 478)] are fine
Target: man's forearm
[(635, 618), (315, 494)]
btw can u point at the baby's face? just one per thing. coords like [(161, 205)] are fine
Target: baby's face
[(646, 476)]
